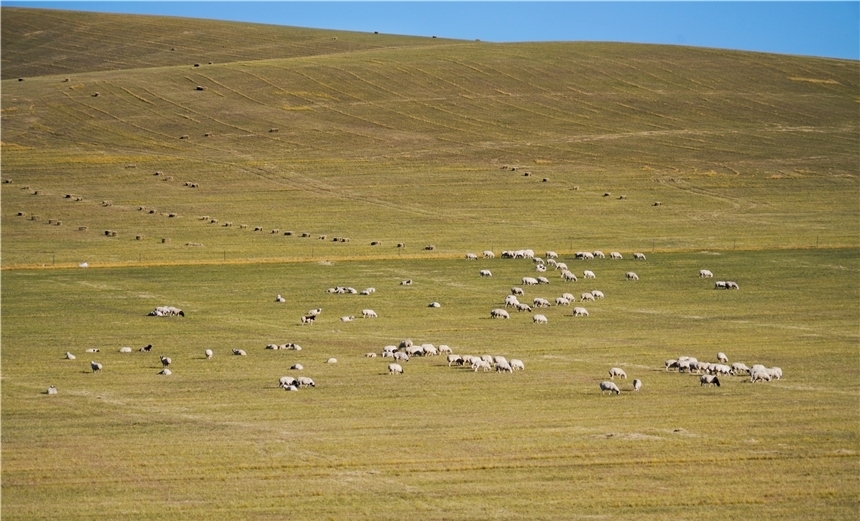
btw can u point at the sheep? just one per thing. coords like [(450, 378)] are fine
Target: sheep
[(314, 312), (568, 276), (517, 365), (208, 354), (757, 375), (369, 291), (529, 281), (720, 369), (720, 284), (51, 390), (709, 380), (598, 254), (504, 367), (523, 307), (540, 302), (239, 352), (414, 351), (430, 350), (125, 350), (511, 300), (96, 367), (588, 274), (454, 359), (670, 363), (395, 369), (286, 381), (732, 285), (580, 312), (617, 371), (165, 361), (304, 381), (561, 301), (739, 367), (348, 318), (331, 361), (551, 255), (490, 359), (401, 356), (632, 276), (539, 319), (444, 349), (93, 350), (405, 343), (586, 297), (722, 357), (481, 364), (279, 298), (637, 384), (69, 356), (638, 256), (145, 349), (291, 346), (568, 296), (543, 280), (489, 254), (407, 282), (499, 313), (560, 266), (614, 255), (774, 372), (485, 273), (705, 274), (540, 268), (166, 372), (609, 386), (308, 319), (471, 256), (517, 291), (597, 293), (370, 355), (368, 313)]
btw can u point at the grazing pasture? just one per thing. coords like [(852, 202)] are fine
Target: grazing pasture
[(310, 160)]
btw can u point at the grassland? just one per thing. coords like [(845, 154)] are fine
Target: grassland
[(753, 158)]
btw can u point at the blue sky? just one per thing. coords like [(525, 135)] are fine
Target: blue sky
[(825, 29)]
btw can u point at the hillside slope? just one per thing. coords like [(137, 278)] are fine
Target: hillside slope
[(737, 146)]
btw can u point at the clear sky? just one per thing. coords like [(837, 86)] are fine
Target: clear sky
[(825, 29)]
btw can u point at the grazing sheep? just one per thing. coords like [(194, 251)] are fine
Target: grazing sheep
[(304, 381), (481, 364), (609, 386), (720, 284), (97, 367), (499, 313), (720, 369), (415, 350), (721, 357), (568, 275), (239, 352), (454, 359), (407, 282), (671, 363), (539, 319), (331, 361), (370, 355), (308, 319), (739, 367), (511, 300), (759, 374), (401, 356), (705, 273), (561, 266), (166, 372), (586, 297), (632, 276), (395, 369), (637, 384), (208, 354), (568, 296), (775, 373), (471, 256), (638, 256), (709, 380), (165, 361), (562, 301), (580, 312), (286, 381), (485, 273), (297, 367), (517, 365), (69, 356), (540, 268), (430, 350), (614, 255), (368, 313), (489, 254), (517, 291), (145, 349), (597, 293), (540, 302), (279, 298), (444, 349), (732, 285), (51, 390), (530, 281), (617, 371), (598, 254), (504, 367), (588, 274), (523, 307), (543, 280)]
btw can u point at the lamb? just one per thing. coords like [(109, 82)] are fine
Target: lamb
[(597, 293), (617, 371), (586, 297), (239, 352), (395, 369), (609, 386), (208, 354), (499, 313), (69, 356), (638, 256), (165, 361), (539, 319), (588, 274), (705, 274), (632, 276), (580, 312), (485, 273), (709, 380), (722, 357), (368, 313), (614, 255), (517, 365), (637, 384), (97, 367), (304, 381)]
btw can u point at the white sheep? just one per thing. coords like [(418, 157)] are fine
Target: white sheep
[(617, 371), (481, 364), (331, 361), (368, 313), (348, 318), (93, 350), (395, 369), (96, 367), (637, 384), (521, 306), (580, 312), (499, 313), (504, 367), (530, 281), (609, 386), (632, 276), (511, 300), (671, 363), (239, 352), (759, 375), (568, 276), (286, 381), (551, 255), (69, 356), (297, 367), (562, 301), (208, 354), (543, 280), (709, 380), (732, 285), (560, 266), (471, 256), (596, 293), (489, 254), (51, 390), (540, 302), (444, 349), (614, 255), (165, 361), (721, 357), (403, 357), (540, 268), (517, 365), (279, 298), (539, 319), (598, 254), (774, 372), (638, 256), (485, 273), (415, 351), (304, 381), (407, 282), (705, 274), (740, 367), (368, 291), (517, 291), (588, 274), (370, 355), (586, 297), (454, 359), (125, 349), (720, 284)]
